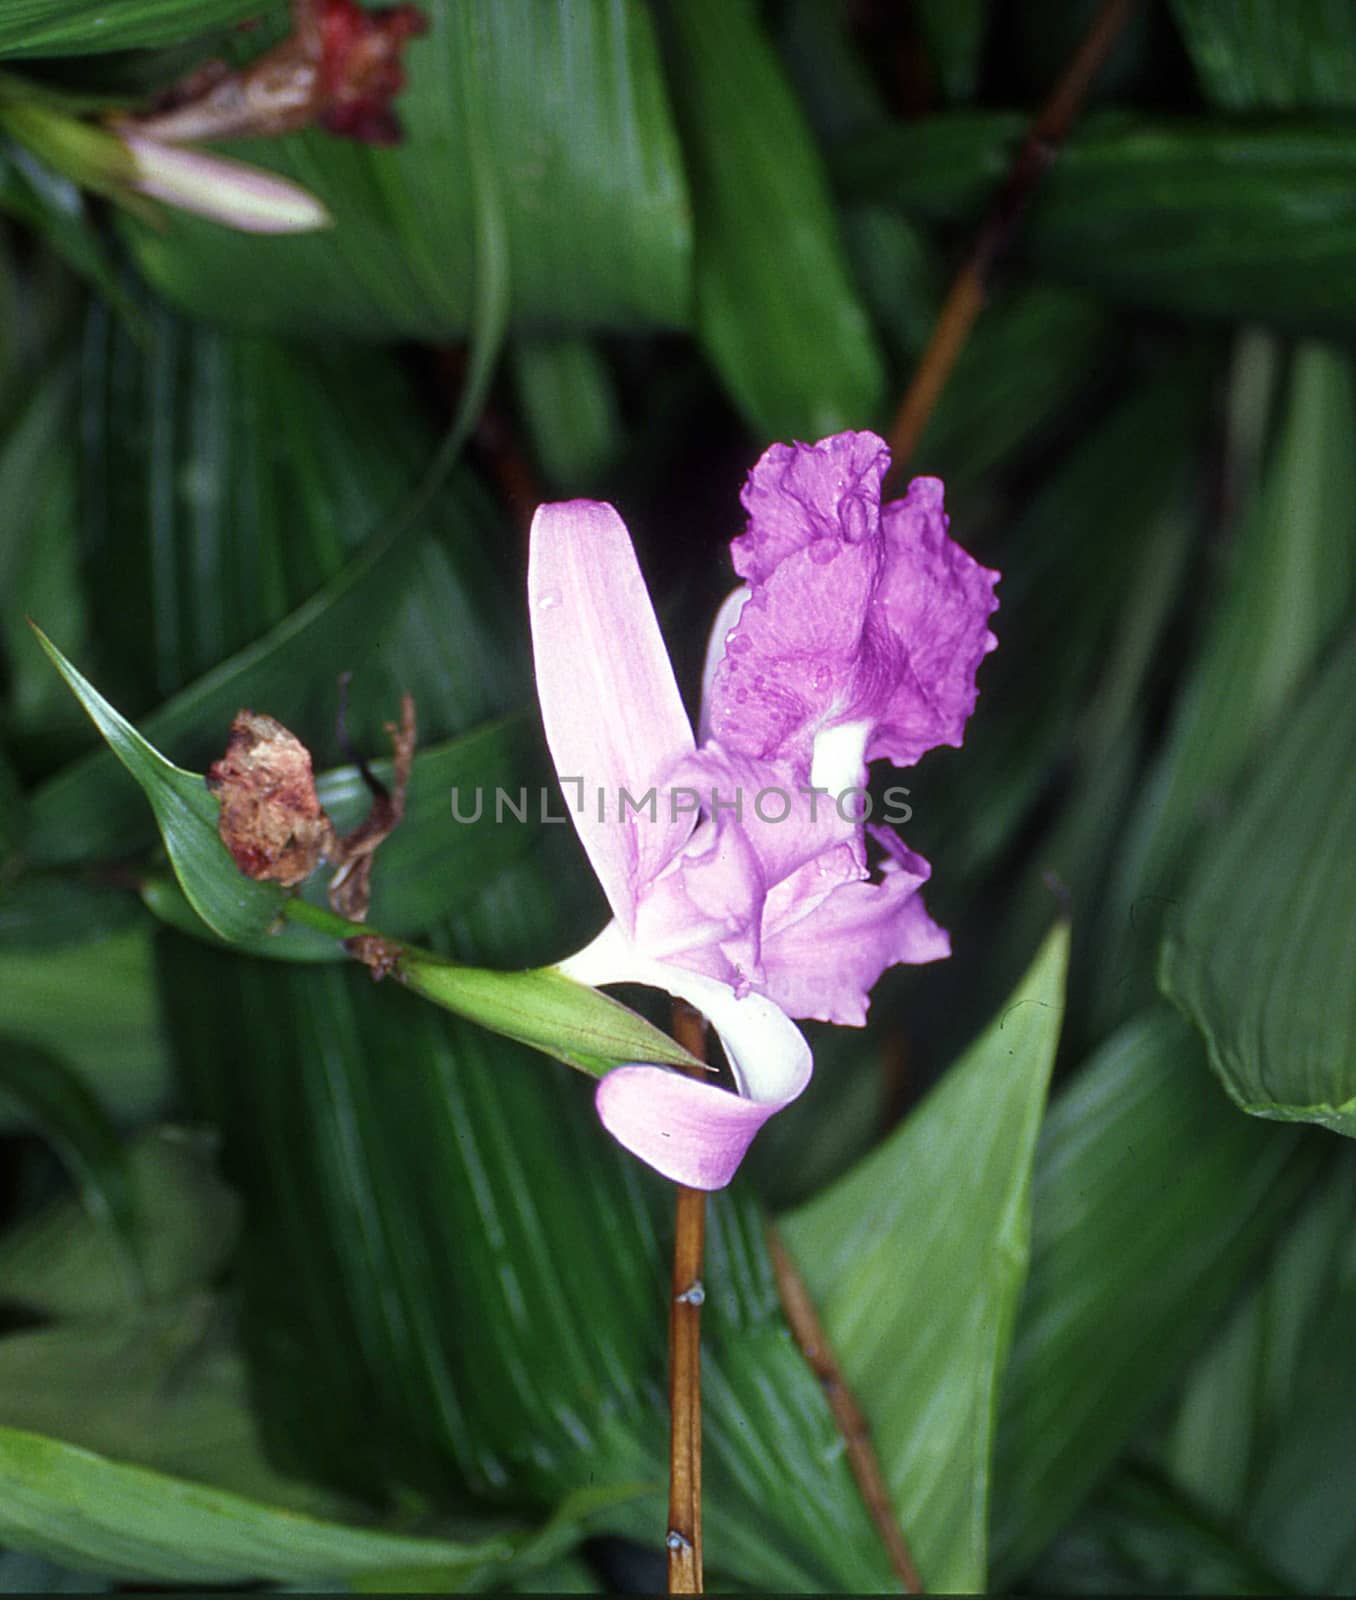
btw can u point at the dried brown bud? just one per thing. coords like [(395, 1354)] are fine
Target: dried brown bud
[(271, 819)]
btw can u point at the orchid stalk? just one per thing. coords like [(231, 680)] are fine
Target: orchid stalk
[(856, 636)]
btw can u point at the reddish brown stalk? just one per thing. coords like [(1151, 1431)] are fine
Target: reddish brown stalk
[(684, 1541), (966, 296), (852, 1424)]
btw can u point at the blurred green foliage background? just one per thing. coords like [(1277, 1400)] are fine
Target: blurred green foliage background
[(304, 1282)]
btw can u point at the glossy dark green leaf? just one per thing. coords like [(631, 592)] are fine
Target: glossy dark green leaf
[(80, 27), (570, 409), (62, 1263), (358, 1286), (57, 211), (1290, 55), (87, 1511), (776, 309), (1258, 955), (268, 557), (1214, 218), (1152, 1200), (111, 1039), (891, 1237), (1289, 586), (533, 134), (232, 905), (58, 1105)]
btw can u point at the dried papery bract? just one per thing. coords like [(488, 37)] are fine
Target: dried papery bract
[(273, 823)]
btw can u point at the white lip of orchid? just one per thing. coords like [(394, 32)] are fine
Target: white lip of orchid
[(838, 760), (768, 1053)]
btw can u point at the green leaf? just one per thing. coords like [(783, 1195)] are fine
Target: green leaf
[(1209, 217), (344, 1108), (1289, 55), (111, 1039), (546, 1010), (232, 905), (1290, 587), (770, 264), (75, 1507), (238, 513), (81, 27), (1150, 1192), (551, 127), (1259, 953), (62, 1109), (570, 409), (893, 1236), (64, 1263)]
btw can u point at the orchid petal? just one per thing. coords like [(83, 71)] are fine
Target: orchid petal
[(613, 716), (693, 1132), (230, 192), (726, 620)]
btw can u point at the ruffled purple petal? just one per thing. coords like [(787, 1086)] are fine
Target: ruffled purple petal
[(855, 613), (936, 599)]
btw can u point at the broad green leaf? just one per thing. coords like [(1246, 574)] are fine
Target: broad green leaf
[(57, 1104), (937, 1221), (232, 905), (1239, 1397), (1290, 587), (345, 1108), (1259, 953), (164, 1388), (111, 1038), (86, 1511), (54, 207), (1152, 1196), (81, 27), (1297, 1514), (63, 1263), (550, 128), (1289, 55), (804, 362), (238, 512), (1209, 217), (570, 409), (1142, 1536)]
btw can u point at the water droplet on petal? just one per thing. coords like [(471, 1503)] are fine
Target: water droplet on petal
[(549, 599)]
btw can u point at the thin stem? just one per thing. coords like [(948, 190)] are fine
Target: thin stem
[(966, 296), (684, 1541), (852, 1424)]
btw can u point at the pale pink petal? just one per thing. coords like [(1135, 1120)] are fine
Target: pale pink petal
[(822, 953), (691, 1131), (613, 716), (238, 196)]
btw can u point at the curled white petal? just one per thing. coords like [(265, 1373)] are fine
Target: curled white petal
[(230, 192)]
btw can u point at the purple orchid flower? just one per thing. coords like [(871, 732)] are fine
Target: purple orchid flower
[(734, 883)]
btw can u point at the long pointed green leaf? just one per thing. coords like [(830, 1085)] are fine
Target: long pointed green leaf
[(1152, 1200), (916, 1260), (232, 905), (1260, 953)]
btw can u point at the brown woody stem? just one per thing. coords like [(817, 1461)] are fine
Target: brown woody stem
[(684, 1541), (852, 1424), (966, 296)]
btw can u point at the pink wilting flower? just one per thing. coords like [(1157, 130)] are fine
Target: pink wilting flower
[(736, 877)]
